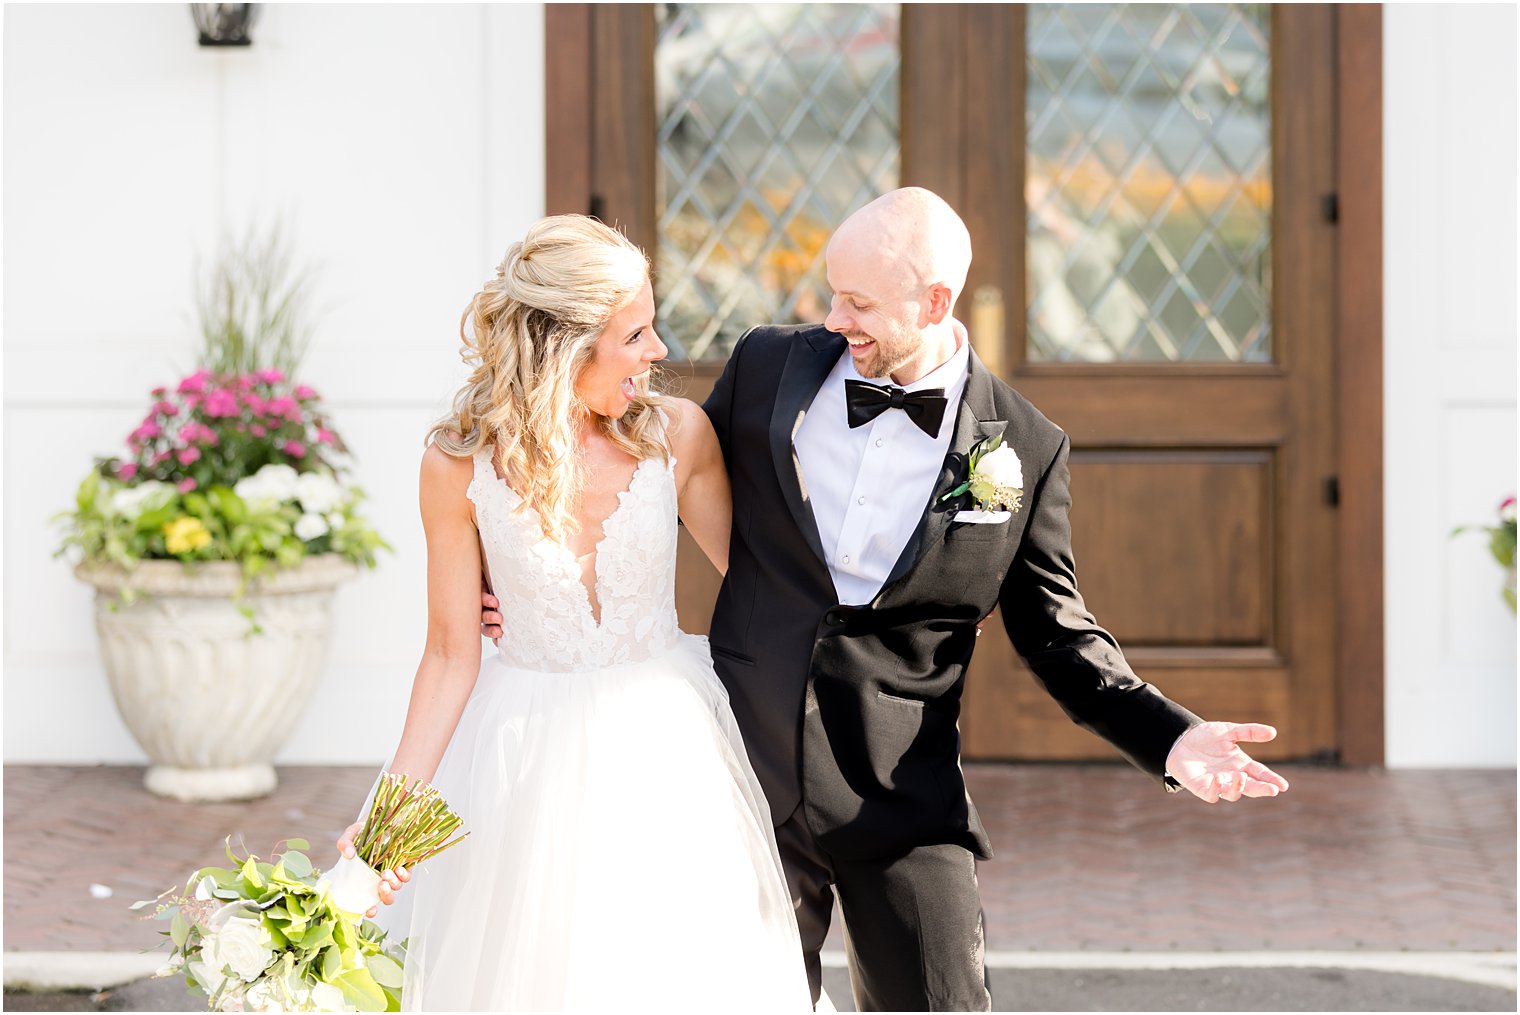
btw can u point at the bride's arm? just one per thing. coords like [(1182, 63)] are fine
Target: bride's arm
[(702, 483), (451, 657)]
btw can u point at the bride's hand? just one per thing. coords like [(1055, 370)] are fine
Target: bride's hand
[(390, 881)]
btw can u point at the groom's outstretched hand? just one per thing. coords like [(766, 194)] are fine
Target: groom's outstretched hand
[(1207, 762)]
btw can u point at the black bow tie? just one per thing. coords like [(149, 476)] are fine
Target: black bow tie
[(867, 401)]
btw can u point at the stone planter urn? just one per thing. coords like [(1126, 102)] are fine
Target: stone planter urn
[(207, 700)]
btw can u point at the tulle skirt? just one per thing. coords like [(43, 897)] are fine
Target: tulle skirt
[(620, 856)]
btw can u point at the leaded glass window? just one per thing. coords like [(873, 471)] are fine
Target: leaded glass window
[(775, 122), (1149, 187)]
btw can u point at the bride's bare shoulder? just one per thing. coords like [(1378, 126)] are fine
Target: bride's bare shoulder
[(445, 473), (689, 428)]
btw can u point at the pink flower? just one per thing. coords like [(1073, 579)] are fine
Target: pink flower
[(258, 431), (270, 376), (166, 409), (303, 392), (161, 457), (283, 406), (192, 400), (195, 383), (221, 403), (159, 392), (295, 449), (255, 403), (146, 431), (187, 456), (1508, 502), (186, 485), (245, 382), (325, 436), (126, 470)]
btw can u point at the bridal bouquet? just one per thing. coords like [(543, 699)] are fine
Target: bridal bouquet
[(261, 936), (282, 936)]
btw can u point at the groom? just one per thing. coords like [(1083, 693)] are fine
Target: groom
[(859, 569)]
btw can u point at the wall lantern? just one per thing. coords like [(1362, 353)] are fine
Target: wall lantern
[(224, 24)]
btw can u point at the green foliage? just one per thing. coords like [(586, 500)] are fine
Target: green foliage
[(308, 941), (253, 306)]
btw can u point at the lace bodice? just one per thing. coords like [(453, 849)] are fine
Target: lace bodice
[(548, 620)]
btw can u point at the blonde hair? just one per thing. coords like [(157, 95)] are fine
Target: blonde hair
[(531, 331)]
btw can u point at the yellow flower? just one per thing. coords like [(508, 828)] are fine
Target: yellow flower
[(185, 535)]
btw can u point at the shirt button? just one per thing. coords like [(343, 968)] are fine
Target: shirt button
[(860, 500), (845, 559), (878, 442)]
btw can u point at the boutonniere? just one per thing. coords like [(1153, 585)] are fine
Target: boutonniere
[(995, 479)]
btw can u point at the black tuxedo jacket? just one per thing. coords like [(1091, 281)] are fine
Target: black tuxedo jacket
[(853, 709)]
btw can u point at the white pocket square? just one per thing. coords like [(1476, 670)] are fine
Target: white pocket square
[(982, 517)]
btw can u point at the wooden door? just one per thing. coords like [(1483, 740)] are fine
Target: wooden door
[(1204, 487)]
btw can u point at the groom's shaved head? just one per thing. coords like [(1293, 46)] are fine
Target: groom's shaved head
[(912, 239)]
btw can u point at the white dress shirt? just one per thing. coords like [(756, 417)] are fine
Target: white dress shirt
[(868, 486)]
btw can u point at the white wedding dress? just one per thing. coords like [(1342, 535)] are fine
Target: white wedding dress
[(621, 854)]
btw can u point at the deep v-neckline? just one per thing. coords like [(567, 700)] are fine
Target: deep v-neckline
[(591, 596)]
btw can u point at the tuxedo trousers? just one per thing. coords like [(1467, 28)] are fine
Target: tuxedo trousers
[(913, 923)]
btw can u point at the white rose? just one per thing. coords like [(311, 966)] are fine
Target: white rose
[(1001, 468), (208, 976), (243, 944), (309, 527), (318, 492)]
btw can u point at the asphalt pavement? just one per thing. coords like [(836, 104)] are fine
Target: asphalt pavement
[(1225, 989)]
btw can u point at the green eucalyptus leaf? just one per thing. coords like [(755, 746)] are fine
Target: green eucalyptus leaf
[(296, 864), (179, 930)]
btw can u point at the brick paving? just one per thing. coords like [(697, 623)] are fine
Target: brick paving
[(1090, 857)]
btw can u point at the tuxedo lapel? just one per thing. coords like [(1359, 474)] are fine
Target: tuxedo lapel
[(808, 363), (976, 420)]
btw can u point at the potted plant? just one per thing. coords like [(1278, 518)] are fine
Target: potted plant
[(216, 542), (1501, 544)]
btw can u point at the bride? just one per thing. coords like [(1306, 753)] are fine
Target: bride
[(621, 854)]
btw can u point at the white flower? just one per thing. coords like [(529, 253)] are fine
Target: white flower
[(132, 501), (273, 484), (1001, 467), (318, 492), (207, 975), (309, 527), (264, 995), (242, 944), (336, 521)]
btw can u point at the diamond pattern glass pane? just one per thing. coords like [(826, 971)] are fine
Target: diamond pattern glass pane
[(776, 121), (1149, 183)]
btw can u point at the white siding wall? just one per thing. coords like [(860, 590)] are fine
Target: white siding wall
[(1449, 327), (405, 146)]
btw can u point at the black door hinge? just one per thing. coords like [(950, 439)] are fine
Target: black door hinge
[(1333, 491), (1330, 207)]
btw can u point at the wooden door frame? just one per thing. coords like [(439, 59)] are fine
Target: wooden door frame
[(589, 43)]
